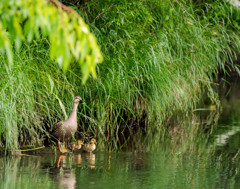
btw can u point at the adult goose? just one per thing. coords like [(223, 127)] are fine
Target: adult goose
[(64, 130)]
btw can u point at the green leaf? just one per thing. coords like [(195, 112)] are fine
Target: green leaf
[(70, 38)]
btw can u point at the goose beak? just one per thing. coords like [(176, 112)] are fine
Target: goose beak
[(82, 102)]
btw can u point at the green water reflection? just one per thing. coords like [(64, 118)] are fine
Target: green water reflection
[(121, 170), (205, 166)]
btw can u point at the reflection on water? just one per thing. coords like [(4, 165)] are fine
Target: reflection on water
[(62, 175), (90, 157), (222, 139), (200, 150), (121, 169), (176, 167), (189, 157)]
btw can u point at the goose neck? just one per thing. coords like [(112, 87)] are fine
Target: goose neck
[(74, 112)]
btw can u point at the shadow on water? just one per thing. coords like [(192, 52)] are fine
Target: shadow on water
[(199, 150)]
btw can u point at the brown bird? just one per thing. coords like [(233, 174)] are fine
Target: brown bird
[(90, 147), (75, 145), (64, 130)]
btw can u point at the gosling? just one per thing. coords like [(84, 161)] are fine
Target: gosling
[(75, 145), (90, 147)]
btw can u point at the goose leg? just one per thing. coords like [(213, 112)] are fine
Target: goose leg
[(64, 150), (59, 146)]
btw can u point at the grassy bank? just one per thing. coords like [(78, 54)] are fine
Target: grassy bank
[(159, 58)]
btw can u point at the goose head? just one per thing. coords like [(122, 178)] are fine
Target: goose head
[(78, 100), (80, 142), (93, 141)]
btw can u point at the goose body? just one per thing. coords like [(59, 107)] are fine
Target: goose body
[(64, 130)]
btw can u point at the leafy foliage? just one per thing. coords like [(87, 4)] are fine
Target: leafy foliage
[(69, 36)]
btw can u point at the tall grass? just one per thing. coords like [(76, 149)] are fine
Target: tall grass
[(159, 58), (31, 93)]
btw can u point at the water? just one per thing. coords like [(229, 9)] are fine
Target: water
[(116, 170), (202, 151), (121, 170)]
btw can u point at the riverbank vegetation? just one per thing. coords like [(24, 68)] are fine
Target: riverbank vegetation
[(159, 59)]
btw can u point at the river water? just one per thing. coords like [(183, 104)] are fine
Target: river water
[(201, 152)]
